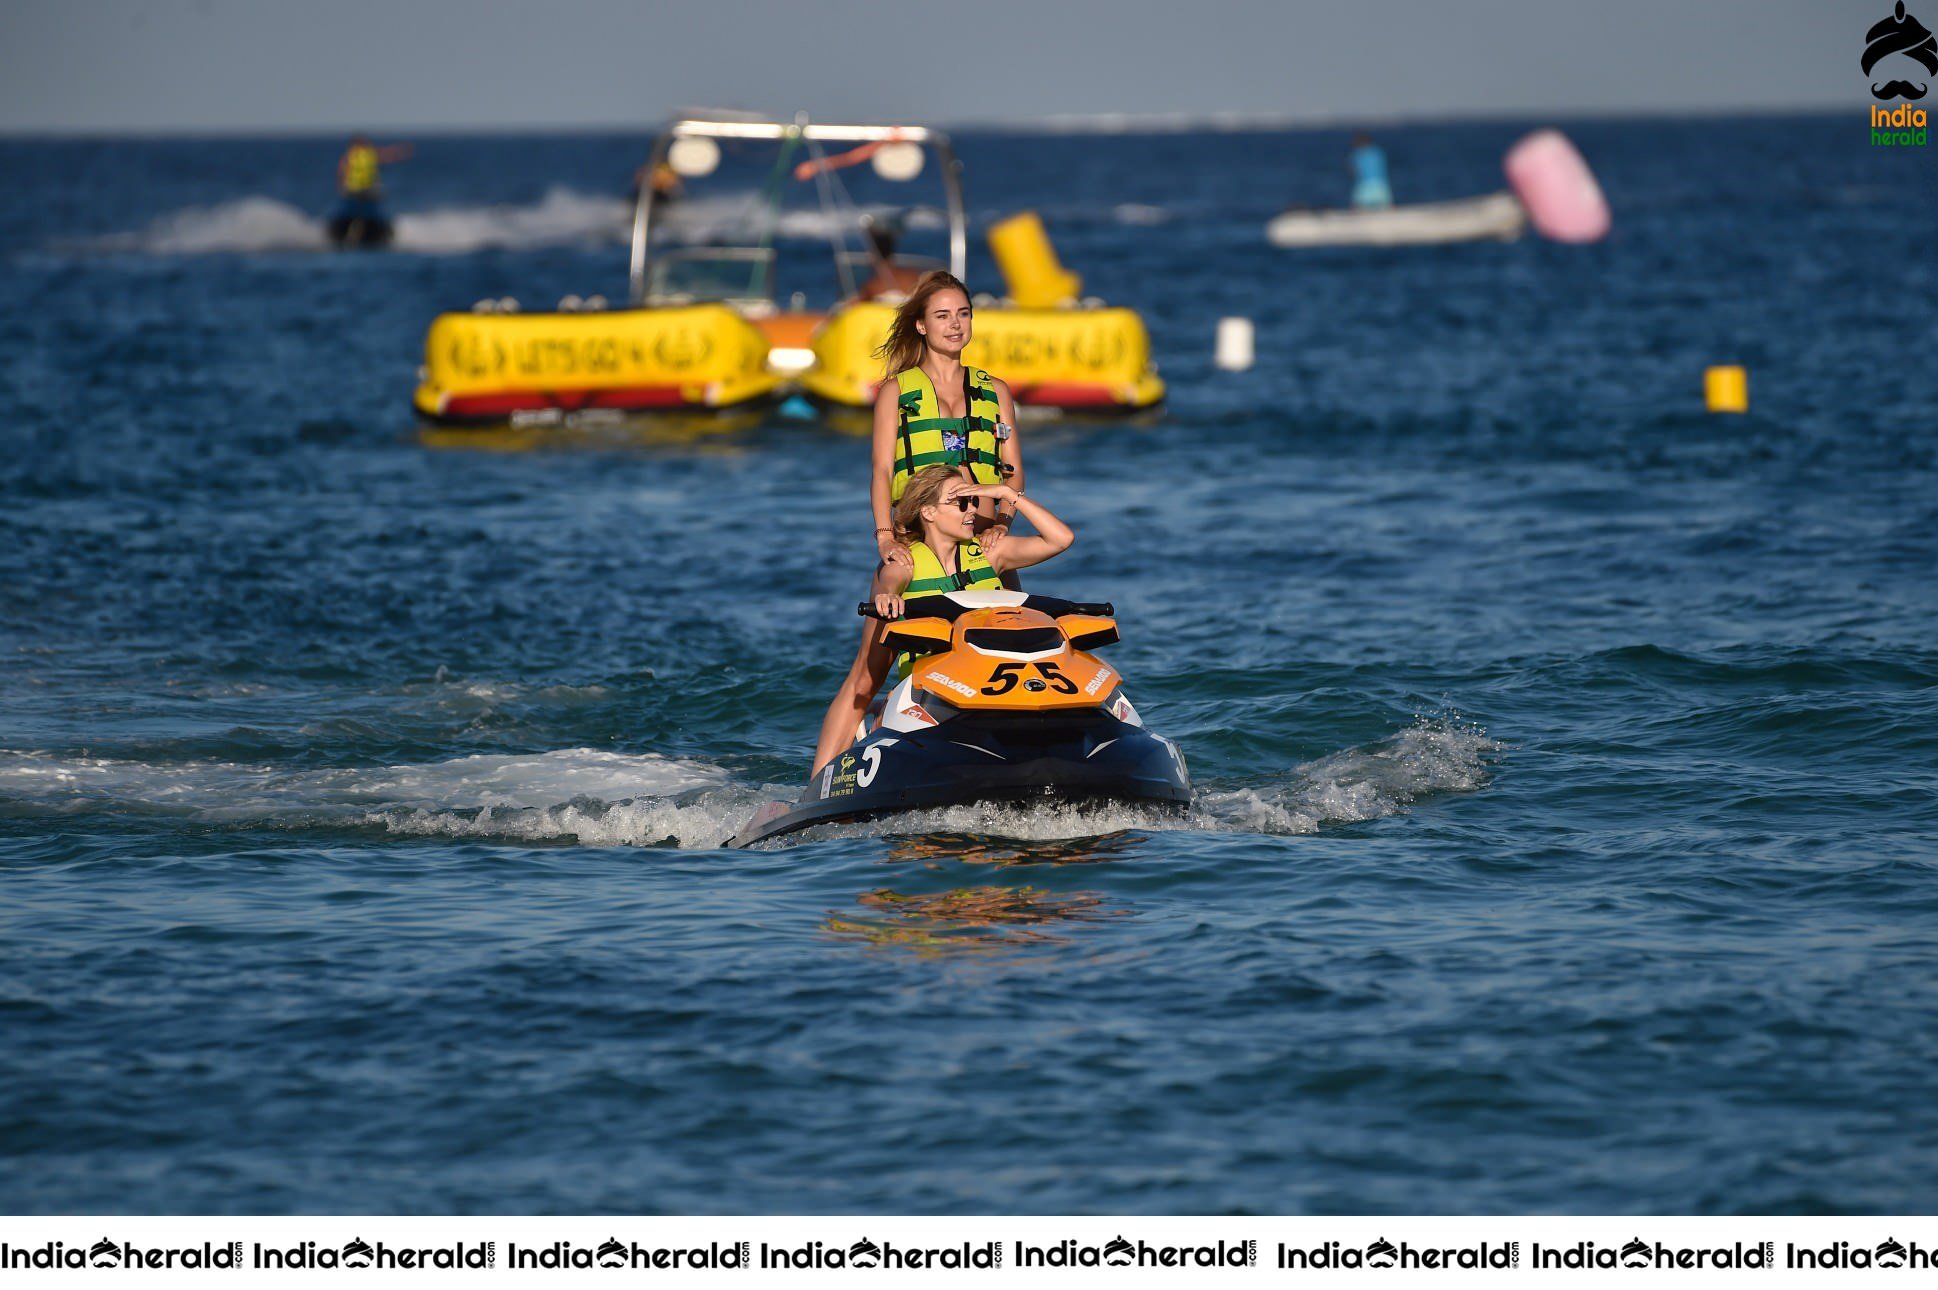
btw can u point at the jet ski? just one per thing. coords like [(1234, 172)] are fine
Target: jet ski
[(360, 223), (1003, 703)]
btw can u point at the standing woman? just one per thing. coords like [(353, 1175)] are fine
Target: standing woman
[(934, 410)]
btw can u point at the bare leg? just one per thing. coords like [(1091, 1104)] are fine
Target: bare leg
[(851, 701)]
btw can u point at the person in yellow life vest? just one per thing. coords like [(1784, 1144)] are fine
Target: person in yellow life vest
[(935, 526), (932, 409), (358, 173)]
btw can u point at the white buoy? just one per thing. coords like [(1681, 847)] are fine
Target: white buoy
[(1234, 348)]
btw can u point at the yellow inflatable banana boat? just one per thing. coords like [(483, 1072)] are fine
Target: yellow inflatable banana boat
[(706, 328), (488, 368), (1096, 360)]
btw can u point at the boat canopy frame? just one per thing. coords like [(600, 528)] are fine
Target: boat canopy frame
[(813, 132)]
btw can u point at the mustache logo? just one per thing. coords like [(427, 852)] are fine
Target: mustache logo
[(1901, 33)]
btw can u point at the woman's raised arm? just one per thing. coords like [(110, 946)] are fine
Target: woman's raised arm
[(1051, 537)]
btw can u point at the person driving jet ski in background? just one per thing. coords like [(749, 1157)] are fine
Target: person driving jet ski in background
[(935, 527)]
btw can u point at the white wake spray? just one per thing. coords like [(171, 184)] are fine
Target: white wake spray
[(597, 798)]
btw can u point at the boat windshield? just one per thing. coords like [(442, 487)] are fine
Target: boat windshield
[(742, 276), (738, 191)]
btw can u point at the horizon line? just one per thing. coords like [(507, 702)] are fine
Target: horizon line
[(1058, 123)]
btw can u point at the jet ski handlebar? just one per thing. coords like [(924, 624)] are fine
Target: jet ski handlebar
[(947, 608)]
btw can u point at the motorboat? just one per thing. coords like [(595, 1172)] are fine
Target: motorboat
[(1495, 217), (1550, 188)]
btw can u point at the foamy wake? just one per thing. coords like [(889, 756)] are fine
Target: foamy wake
[(695, 820), (248, 225), (1430, 758), (563, 217), (601, 798), (234, 791), (254, 225)]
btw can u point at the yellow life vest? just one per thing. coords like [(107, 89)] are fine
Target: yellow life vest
[(360, 169), (927, 438), (973, 573)]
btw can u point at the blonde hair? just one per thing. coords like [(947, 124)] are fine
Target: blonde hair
[(903, 348), (923, 490)]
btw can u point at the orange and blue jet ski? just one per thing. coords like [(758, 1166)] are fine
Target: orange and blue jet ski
[(1003, 703)]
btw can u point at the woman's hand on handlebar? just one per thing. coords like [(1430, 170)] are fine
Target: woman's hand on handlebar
[(888, 605)]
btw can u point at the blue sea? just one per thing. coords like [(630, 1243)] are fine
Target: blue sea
[(1566, 822)]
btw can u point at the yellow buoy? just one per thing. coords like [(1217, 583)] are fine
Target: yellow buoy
[(1726, 389), (1037, 280)]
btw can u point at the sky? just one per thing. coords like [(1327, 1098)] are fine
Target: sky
[(256, 66)]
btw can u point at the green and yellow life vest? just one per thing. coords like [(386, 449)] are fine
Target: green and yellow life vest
[(360, 169), (927, 438), (973, 573)]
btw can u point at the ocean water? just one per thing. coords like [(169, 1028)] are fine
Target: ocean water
[(1566, 833)]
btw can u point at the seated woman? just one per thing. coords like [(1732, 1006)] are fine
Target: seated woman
[(935, 522)]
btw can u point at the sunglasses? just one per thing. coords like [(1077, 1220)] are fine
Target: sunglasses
[(964, 502)]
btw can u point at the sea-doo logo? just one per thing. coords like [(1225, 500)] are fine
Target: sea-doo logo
[(950, 683), (1382, 1253), (1119, 1252)]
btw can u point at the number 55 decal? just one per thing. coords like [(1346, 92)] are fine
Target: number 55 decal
[(871, 761), (1058, 681), (1003, 679)]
